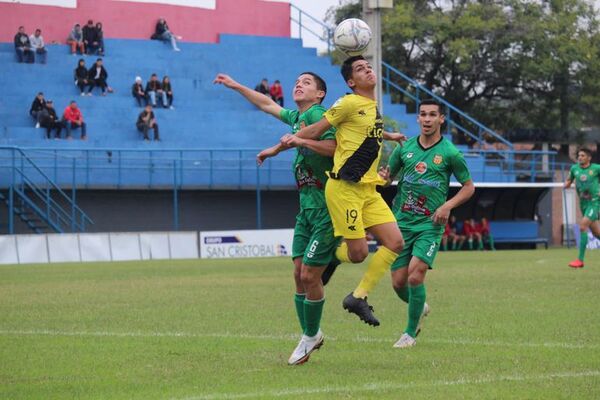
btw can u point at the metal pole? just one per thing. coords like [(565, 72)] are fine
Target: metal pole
[(11, 205), (565, 211), (258, 200), (175, 198), (73, 199)]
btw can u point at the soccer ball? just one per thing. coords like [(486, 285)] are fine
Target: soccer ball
[(352, 36)]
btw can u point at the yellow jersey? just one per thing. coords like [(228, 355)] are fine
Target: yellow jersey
[(359, 138)]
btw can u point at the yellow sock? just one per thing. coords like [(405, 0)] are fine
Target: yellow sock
[(341, 253), (380, 264)]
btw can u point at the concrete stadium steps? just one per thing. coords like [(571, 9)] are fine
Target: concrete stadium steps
[(205, 115)]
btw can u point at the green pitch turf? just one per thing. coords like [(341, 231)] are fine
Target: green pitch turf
[(504, 325)]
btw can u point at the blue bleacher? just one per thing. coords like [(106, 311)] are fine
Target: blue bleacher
[(205, 116)]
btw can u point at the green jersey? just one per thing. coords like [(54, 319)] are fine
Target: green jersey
[(586, 182), (309, 167), (424, 180)]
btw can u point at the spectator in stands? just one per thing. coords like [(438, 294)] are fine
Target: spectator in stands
[(23, 46), (455, 237), (97, 76), (162, 32), (137, 91), (263, 87), (73, 119), (277, 93), (75, 40), (168, 92), (49, 120), (471, 233), (90, 38), (153, 89), (81, 76), (483, 228), (100, 38), (37, 106), (37, 44), (146, 121)]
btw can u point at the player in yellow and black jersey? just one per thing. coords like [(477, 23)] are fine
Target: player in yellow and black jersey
[(351, 196)]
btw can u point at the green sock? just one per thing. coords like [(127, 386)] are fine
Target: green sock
[(402, 293), (582, 245), (455, 245), (416, 304), (491, 240), (313, 309), (299, 301), (445, 246), (470, 242), (480, 244)]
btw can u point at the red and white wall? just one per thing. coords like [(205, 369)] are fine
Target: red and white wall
[(195, 20)]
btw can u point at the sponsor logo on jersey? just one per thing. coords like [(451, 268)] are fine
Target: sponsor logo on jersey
[(583, 178), (416, 206), (352, 228), (437, 159), (421, 167), (362, 113), (409, 155)]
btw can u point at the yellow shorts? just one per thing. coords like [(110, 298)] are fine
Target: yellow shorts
[(353, 207)]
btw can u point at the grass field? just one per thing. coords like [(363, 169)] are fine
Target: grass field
[(504, 325)]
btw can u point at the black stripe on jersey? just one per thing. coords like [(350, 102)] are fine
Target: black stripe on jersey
[(363, 157)]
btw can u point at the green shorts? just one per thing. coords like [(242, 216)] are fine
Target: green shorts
[(313, 237), (421, 244), (589, 210)]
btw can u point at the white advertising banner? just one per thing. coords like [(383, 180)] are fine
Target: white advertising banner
[(210, 4), (55, 3), (246, 244)]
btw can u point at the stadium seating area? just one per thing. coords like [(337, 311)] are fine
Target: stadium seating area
[(205, 116)]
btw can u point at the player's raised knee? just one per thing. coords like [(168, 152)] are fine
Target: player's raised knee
[(359, 254)]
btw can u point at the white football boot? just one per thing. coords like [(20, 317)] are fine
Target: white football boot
[(405, 341), (306, 346)]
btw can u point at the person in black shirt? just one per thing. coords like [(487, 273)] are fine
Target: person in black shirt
[(90, 38), (81, 76), (146, 121), (37, 106), (23, 47), (168, 92), (50, 120), (153, 89), (100, 38), (97, 76), (162, 32), (263, 87)]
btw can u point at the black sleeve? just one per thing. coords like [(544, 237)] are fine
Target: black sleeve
[(104, 74), (17, 44)]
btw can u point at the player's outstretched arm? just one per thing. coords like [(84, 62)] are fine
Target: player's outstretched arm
[(270, 152), (264, 103), (321, 147), (313, 131), (395, 137), (442, 214), (568, 184)]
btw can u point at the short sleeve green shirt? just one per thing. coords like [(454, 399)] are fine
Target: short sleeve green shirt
[(309, 167), (424, 180), (586, 183)]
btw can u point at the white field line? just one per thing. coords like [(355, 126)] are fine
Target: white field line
[(228, 335), (380, 386)]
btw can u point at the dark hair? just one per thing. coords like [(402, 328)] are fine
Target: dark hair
[(585, 150), (432, 102), (80, 61), (153, 75), (38, 30), (76, 25), (73, 102), (321, 85), (90, 21), (99, 60), (21, 27), (347, 67)]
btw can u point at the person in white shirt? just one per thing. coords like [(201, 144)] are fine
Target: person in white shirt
[(37, 44)]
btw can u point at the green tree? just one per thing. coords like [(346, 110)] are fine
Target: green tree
[(509, 63)]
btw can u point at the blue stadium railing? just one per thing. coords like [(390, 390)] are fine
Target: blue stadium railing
[(218, 168), (35, 198)]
